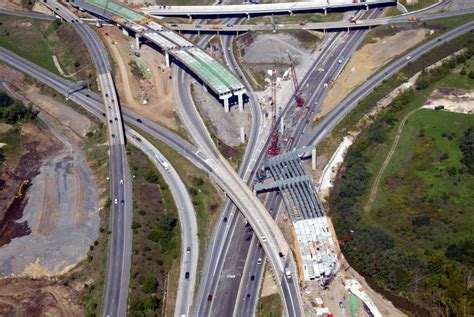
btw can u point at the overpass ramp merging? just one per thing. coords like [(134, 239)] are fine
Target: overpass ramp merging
[(214, 75)]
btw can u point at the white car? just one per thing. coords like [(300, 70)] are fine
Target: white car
[(259, 261), (408, 57), (116, 201), (121, 181), (264, 239)]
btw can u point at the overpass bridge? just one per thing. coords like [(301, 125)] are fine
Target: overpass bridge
[(317, 26), (214, 75), (262, 9)]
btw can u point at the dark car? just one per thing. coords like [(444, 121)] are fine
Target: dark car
[(247, 297), (174, 25), (280, 254), (225, 219), (113, 135), (209, 298), (122, 202), (186, 275), (110, 121), (139, 120), (252, 277)]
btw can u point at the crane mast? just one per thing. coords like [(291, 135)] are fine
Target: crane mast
[(298, 95), (274, 149)]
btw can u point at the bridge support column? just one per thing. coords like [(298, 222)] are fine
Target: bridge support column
[(313, 159), (167, 58), (125, 31), (137, 41), (226, 102), (248, 16), (366, 7), (240, 98), (282, 125), (291, 13), (242, 135), (325, 11), (190, 17)]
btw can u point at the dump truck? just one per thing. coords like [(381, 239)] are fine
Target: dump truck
[(414, 19)]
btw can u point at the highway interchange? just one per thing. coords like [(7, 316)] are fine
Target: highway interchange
[(208, 157)]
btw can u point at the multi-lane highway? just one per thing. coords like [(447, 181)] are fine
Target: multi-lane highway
[(268, 232), (315, 135), (93, 103), (120, 244)]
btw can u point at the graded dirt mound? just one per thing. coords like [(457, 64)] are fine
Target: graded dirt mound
[(28, 297)]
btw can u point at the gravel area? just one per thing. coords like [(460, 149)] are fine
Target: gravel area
[(62, 213), (225, 125)]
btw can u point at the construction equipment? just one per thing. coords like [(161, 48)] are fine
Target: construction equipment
[(274, 149), (22, 188), (298, 96), (414, 19), (346, 239)]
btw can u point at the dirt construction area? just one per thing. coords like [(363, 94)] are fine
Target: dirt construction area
[(151, 97), (367, 60), (453, 100), (50, 229)]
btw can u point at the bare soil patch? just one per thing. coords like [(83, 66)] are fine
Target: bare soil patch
[(133, 91), (30, 297), (367, 60), (453, 100)]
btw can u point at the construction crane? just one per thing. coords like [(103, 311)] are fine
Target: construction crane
[(298, 96), (274, 149)]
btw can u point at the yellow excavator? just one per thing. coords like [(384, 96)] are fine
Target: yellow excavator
[(22, 188)]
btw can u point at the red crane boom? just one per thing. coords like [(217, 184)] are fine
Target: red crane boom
[(298, 95), (274, 149)]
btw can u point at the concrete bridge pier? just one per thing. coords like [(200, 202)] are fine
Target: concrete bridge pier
[(137, 41), (167, 58), (125, 31), (248, 16), (313, 159), (240, 98), (190, 17), (325, 11), (366, 7), (291, 12), (242, 135), (225, 98)]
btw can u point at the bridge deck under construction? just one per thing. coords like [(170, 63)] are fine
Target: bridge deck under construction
[(210, 71)]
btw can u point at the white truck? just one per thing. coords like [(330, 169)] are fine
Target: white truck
[(165, 165), (287, 272)]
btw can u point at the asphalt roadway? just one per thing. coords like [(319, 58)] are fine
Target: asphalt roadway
[(268, 232), (120, 243), (92, 103), (329, 122), (320, 26), (187, 217)]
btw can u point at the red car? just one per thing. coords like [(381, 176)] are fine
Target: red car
[(302, 23), (209, 298)]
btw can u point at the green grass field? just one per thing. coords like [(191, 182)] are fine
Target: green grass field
[(417, 238), (38, 41)]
